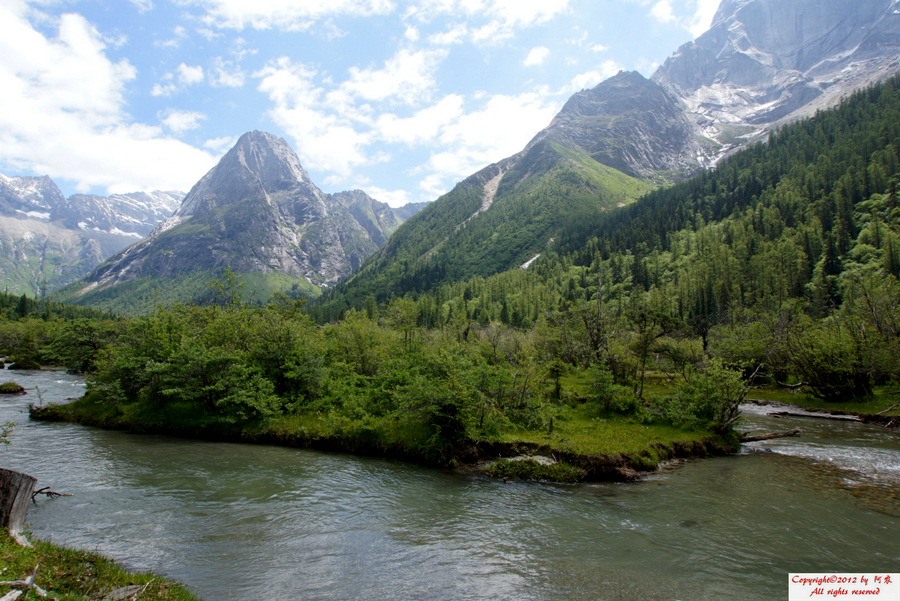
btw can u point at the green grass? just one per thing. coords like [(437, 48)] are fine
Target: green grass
[(71, 575), (529, 469), (614, 435)]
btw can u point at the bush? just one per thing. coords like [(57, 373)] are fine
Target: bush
[(710, 399)]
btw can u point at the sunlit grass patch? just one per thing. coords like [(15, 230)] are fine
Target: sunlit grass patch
[(71, 575)]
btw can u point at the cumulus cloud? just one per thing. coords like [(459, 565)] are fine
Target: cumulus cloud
[(395, 198), (326, 140), (589, 79), (662, 11), (53, 124), (406, 77), (501, 126), (225, 73), (703, 16), (189, 75), (500, 18), (336, 125), (424, 126), (537, 56), (284, 14), (180, 121)]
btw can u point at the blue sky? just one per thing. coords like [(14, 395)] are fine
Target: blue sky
[(400, 99)]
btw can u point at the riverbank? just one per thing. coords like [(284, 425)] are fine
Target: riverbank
[(73, 575), (588, 449)]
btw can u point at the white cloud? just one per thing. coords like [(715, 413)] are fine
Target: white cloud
[(454, 35), (407, 77), (395, 198), (424, 126), (537, 56), (503, 17), (325, 141), (703, 16), (285, 14), (52, 123), (589, 79), (189, 75), (180, 121), (220, 145), (225, 74), (501, 127), (662, 11)]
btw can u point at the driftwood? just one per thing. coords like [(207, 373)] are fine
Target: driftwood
[(15, 492), (783, 385), (785, 434), (11, 596), (888, 409), (46, 491), (839, 418), (26, 584)]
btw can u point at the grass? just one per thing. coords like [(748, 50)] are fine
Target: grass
[(71, 575), (529, 469), (582, 434)]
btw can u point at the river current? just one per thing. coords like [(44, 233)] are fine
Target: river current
[(241, 522)]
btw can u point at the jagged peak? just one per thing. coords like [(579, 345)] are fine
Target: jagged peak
[(258, 165)]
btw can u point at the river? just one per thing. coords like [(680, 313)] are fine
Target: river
[(247, 522)]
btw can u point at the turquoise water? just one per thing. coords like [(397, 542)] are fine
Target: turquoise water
[(256, 522)]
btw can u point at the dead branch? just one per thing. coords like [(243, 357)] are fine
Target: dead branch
[(888, 409), (785, 434), (27, 583), (49, 493), (783, 385)]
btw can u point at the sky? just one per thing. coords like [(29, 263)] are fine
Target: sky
[(402, 99)]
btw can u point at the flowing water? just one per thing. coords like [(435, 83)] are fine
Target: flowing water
[(257, 522)]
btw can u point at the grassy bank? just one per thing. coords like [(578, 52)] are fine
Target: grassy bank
[(71, 575), (610, 448)]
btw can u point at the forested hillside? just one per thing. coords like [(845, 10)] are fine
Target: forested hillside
[(802, 216)]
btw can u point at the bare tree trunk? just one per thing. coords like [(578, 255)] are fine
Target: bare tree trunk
[(15, 494)]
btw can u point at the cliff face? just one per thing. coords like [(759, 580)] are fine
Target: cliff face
[(629, 123), (48, 241), (257, 211), (764, 62)]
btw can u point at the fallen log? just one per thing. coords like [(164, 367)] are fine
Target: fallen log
[(888, 409), (840, 418), (785, 434), (15, 492)]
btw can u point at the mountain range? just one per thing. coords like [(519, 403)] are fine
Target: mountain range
[(258, 213), (48, 240), (761, 64)]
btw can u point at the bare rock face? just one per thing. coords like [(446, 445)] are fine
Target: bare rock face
[(257, 211), (48, 241), (764, 62), (629, 123), (135, 214)]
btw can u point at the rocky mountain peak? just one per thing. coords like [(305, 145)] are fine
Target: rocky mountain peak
[(258, 165), (765, 62), (627, 122)]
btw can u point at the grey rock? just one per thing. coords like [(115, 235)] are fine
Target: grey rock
[(257, 211)]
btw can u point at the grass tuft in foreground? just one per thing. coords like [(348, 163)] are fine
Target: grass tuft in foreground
[(71, 575)]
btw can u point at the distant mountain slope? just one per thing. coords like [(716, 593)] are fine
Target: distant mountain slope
[(762, 63), (767, 61), (48, 241), (257, 213)]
